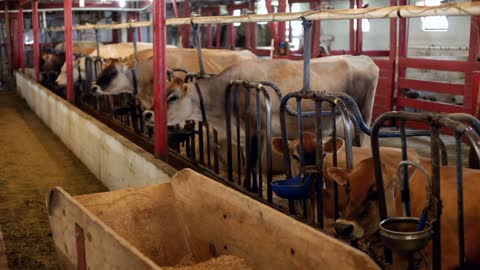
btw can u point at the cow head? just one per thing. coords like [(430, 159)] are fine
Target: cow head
[(361, 215), (180, 103), (309, 141), (309, 149), (114, 79), (62, 77)]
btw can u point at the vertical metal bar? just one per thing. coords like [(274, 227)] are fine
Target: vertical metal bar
[(186, 28), (259, 142), (268, 139), (21, 39), (159, 79), (36, 40), (307, 27), (319, 161), (335, 163), (228, 113), (198, 45), (200, 143), (209, 148), (239, 148), (248, 142), (135, 41), (461, 236), (218, 33), (216, 152), (405, 189), (379, 177), (67, 9), (8, 40), (97, 42), (436, 225)]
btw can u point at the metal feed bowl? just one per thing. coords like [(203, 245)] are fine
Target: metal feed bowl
[(400, 234)]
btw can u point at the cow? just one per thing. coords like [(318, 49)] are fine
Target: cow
[(79, 47), (361, 215), (106, 51), (116, 77), (356, 76), (391, 156)]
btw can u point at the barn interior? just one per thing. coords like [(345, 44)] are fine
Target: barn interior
[(92, 175)]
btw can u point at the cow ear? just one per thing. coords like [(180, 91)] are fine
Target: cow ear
[(328, 146), (340, 175), (277, 144)]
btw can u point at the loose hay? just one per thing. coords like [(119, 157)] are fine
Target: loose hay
[(223, 262)]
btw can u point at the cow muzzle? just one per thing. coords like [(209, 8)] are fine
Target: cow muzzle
[(343, 229), (96, 90)]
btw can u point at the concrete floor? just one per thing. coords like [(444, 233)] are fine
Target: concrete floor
[(32, 160)]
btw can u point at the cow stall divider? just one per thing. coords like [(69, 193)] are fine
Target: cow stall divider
[(466, 127)]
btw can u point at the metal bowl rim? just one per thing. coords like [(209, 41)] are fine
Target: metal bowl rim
[(427, 228)]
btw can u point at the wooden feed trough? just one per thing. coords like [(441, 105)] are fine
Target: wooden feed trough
[(156, 226)]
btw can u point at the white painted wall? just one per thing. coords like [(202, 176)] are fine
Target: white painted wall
[(113, 159)]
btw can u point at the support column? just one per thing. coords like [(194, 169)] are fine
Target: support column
[(21, 40), (9, 41), (67, 15), (36, 40), (186, 28), (159, 79)]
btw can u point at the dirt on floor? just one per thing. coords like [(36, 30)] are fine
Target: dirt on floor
[(32, 160), (220, 263)]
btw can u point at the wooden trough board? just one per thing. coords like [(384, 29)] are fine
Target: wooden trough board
[(154, 226)]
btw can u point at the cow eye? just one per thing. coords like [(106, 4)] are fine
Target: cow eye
[(296, 157), (172, 98)]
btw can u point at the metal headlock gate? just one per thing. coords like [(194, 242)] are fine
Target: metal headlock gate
[(454, 122)]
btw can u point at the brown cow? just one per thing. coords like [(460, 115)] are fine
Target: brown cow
[(392, 157), (116, 78), (361, 217), (353, 75)]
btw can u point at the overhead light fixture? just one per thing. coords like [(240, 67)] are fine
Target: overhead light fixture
[(122, 3), (81, 3)]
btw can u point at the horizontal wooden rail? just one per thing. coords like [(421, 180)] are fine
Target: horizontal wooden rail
[(437, 87), (444, 65), (454, 9), (430, 106)]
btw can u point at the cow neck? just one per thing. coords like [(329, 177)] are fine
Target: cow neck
[(132, 77), (202, 104), (134, 81)]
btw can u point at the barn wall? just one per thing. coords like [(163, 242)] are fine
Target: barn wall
[(114, 160)]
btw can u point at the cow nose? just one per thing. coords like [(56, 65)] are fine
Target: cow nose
[(343, 229), (148, 116), (96, 89)]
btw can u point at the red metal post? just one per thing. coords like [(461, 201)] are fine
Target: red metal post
[(139, 30), (36, 40), (159, 78), (352, 30), (67, 15), (21, 40), (175, 9), (210, 33), (359, 33), (315, 51), (231, 29), (9, 48), (186, 28), (218, 31), (282, 7)]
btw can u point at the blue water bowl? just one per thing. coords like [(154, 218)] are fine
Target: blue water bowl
[(293, 189)]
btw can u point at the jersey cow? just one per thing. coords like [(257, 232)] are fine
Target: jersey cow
[(361, 217), (116, 76), (106, 51), (353, 75), (391, 156)]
